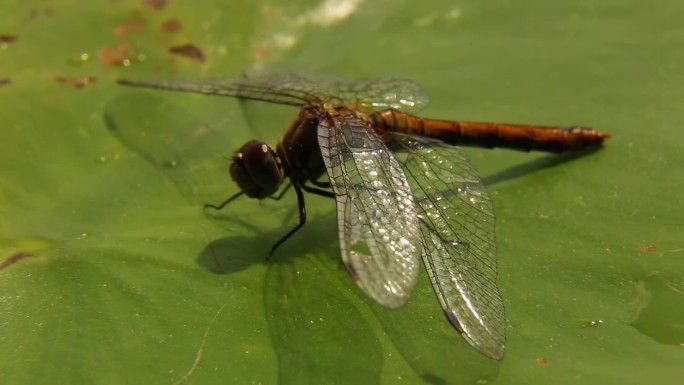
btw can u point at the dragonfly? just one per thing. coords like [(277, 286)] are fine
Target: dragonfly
[(405, 190)]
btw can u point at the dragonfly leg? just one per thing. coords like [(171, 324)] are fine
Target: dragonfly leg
[(222, 205), (302, 210), (318, 191), (321, 184), (277, 197), (302, 221)]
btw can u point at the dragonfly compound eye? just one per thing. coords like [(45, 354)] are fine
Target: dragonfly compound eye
[(257, 169)]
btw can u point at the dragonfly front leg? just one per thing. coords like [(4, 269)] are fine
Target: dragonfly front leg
[(223, 204), (280, 195)]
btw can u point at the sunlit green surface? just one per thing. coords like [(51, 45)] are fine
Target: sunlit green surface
[(127, 281)]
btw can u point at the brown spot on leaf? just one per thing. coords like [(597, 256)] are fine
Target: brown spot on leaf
[(7, 38), (261, 52), (203, 130), (171, 26), (5, 81), (124, 30), (118, 55), (156, 4), (14, 258), (33, 13), (542, 361), (648, 249), (190, 51), (77, 81)]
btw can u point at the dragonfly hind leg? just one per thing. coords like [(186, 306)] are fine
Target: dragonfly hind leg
[(319, 191), (321, 184)]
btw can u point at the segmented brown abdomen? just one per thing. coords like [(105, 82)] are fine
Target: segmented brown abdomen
[(490, 135)]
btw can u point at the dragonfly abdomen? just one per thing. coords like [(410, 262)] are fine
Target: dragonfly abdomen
[(490, 135)]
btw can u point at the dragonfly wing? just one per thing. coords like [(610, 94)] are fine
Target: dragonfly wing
[(457, 222), (379, 231), (370, 94), (301, 88), (285, 91)]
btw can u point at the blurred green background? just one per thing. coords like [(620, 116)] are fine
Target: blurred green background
[(111, 273)]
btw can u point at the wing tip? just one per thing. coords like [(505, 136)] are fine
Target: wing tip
[(351, 271), (494, 351), (454, 321)]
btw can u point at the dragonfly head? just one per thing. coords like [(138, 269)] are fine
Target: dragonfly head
[(257, 169)]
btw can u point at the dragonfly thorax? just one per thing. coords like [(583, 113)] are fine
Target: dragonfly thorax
[(257, 169)]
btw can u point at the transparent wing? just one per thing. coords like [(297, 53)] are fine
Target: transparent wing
[(300, 88), (457, 222), (379, 231)]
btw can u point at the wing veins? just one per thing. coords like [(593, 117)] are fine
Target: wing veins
[(376, 213), (464, 278)]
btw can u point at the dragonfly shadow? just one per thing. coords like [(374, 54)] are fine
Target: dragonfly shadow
[(232, 254), (529, 167), (220, 256)]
